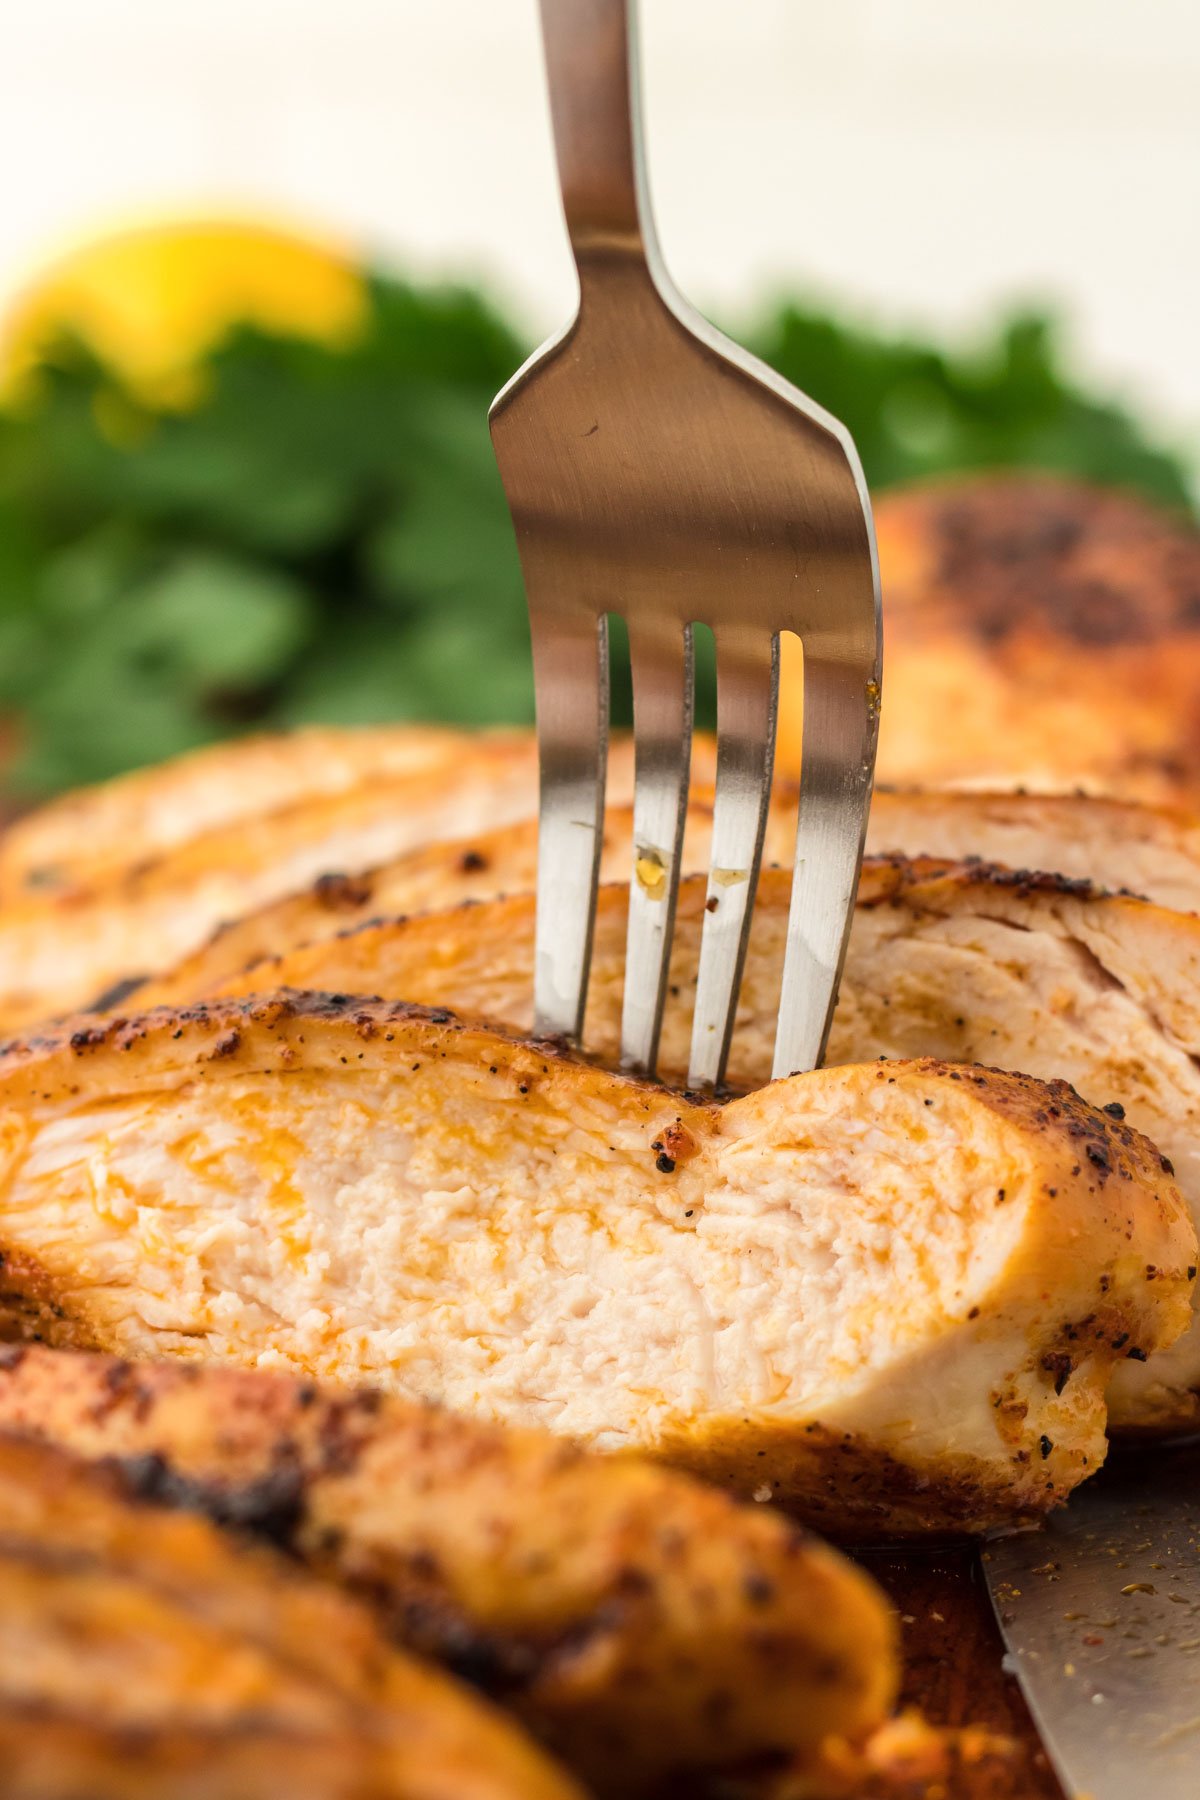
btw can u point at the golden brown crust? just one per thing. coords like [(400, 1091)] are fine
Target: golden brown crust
[(1002, 555), (144, 1644), (1053, 1289), (666, 1630), (1043, 630)]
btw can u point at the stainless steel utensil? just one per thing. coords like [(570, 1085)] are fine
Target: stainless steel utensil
[(656, 471), (1101, 1614)]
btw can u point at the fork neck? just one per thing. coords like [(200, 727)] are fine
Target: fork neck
[(591, 68)]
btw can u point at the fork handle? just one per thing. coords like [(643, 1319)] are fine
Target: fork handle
[(592, 73)]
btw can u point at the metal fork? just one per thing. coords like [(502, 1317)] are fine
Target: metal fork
[(656, 471)]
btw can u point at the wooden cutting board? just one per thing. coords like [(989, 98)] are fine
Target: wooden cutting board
[(953, 1665)]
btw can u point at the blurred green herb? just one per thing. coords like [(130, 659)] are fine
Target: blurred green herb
[(325, 536)]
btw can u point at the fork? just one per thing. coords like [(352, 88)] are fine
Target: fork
[(657, 472)]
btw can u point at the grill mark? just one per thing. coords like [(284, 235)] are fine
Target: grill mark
[(273, 1506)]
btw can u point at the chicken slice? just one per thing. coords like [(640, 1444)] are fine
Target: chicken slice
[(431, 877), (172, 867), (86, 838), (61, 946), (1116, 844), (963, 962), (642, 1624), (144, 1654), (1151, 850), (83, 931), (890, 1295), (135, 818)]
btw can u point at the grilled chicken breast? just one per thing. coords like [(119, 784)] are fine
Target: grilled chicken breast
[(1040, 631), (1149, 850), (1155, 851), (960, 961), (136, 888), (118, 825), (61, 946), (72, 930), (432, 877), (644, 1625), (143, 1654), (891, 1296)]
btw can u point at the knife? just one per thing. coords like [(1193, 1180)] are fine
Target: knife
[(1100, 1613)]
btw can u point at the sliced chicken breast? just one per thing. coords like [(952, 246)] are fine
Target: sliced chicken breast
[(136, 818), (143, 1654), (642, 1624), (1155, 851), (100, 926), (1040, 631), (1120, 844), (963, 962), (891, 1295), (74, 933), (62, 947), (432, 877)]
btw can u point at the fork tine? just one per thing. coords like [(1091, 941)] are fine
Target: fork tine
[(841, 722), (747, 703), (570, 673), (661, 664)]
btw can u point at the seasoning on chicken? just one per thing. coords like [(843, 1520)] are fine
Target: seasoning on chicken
[(240, 844), (77, 931), (642, 1624), (1119, 844), (1155, 851), (891, 1295), (144, 1656), (1040, 631)]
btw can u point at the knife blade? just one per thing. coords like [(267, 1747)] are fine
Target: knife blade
[(1100, 1613)]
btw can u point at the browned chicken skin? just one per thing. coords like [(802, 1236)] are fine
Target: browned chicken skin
[(1043, 631), (641, 1624), (143, 1654)]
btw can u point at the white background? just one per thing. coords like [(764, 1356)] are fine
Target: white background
[(927, 159)]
